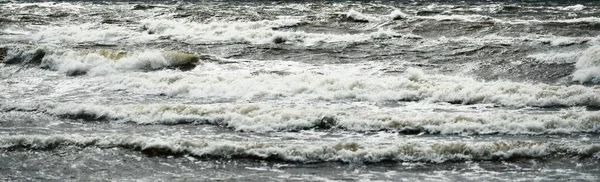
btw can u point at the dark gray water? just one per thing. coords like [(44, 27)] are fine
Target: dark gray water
[(299, 91)]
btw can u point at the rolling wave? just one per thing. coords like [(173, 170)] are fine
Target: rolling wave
[(263, 117), (348, 152)]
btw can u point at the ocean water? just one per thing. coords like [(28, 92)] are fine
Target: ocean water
[(299, 91)]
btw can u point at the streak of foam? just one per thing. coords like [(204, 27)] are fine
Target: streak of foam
[(84, 33), (577, 7), (556, 57), (261, 32), (573, 21), (465, 18)]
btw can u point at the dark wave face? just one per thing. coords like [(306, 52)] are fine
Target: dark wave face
[(299, 91)]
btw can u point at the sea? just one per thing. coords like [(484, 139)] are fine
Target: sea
[(300, 90)]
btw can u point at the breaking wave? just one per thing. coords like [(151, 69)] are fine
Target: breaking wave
[(359, 17), (263, 32), (588, 66), (263, 117), (348, 152), (577, 7), (351, 83), (101, 61), (268, 80), (160, 30)]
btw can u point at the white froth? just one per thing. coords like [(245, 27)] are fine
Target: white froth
[(397, 14), (84, 33), (355, 15), (95, 64), (304, 151), (573, 20), (257, 32), (556, 57), (588, 66), (245, 80), (355, 82), (261, 32), (266, 117), (465, 18), (577, 7)]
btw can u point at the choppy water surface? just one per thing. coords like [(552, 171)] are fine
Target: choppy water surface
[(300, 91)]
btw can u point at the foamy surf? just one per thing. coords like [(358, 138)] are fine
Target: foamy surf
[(99, 61), (588, 66), (349, 152), (299, 91), (304, 82), (353, 84), (265, 117)]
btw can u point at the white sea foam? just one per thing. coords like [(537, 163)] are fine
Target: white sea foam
[(62, 5), (588, 66), (556, 57), (253, 80), (355, 82), (303, 151), (93, 63), (261, 32), (573, 20), (579, 20), (85, 33), (254, 32), (355, 15), (245, 80), (465, 18), (266, 117), (397, 14), (577, 7)]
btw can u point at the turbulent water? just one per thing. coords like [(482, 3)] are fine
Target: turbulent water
[(300, 91)]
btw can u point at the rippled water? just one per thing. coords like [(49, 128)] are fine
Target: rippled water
[(299, 91)]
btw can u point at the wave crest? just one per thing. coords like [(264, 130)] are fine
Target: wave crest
[(348, 152), (101, 61), (267, 118), (588, 66)]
